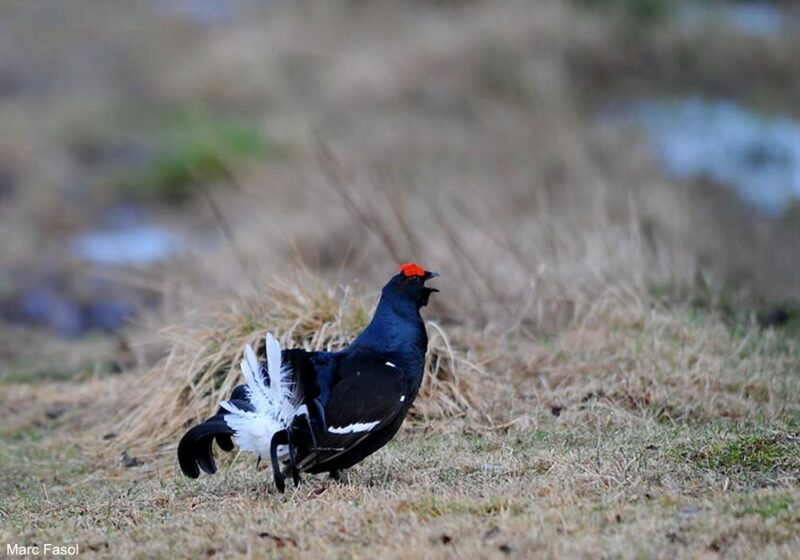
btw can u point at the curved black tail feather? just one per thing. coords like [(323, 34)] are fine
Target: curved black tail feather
[(194, 450)]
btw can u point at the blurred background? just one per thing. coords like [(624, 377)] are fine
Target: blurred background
[(158, 157)]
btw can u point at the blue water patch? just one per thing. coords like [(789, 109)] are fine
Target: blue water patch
[(202, 11), (212, 12), (750, 18), (71, 303), (755, 18), (136, 245), (53, 306), (694, 138)]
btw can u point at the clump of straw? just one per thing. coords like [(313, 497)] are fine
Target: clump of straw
[(202, 367)]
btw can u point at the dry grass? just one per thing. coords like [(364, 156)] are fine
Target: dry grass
[(639, 431), (202, 368), (671, 365), (659, 435)]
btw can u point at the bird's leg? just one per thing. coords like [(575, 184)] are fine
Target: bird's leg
[(336, 475), (278, 438), (293, 461)]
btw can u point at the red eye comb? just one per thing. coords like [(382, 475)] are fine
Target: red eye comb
[(412, 269)]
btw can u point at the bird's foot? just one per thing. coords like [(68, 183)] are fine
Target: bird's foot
[(296, 477)]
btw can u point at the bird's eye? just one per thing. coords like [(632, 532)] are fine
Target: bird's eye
[(415, 278)]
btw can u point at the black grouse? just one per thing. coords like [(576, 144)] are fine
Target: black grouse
[(316, 412)]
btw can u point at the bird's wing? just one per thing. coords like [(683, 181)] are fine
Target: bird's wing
[(369, 395)]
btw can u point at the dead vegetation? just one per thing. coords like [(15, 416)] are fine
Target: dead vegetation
[(203, 366)]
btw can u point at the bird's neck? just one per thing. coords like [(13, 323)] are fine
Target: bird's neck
[(397, 332)]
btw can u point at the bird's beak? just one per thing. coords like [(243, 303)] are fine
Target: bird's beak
[(428, 276), (426, 291)]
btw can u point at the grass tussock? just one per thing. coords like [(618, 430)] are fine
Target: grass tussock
[(203, 366), (668, 366)]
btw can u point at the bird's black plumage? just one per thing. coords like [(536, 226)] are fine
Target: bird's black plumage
[(348, 404)]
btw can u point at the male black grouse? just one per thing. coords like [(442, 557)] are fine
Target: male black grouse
[(317, 412)]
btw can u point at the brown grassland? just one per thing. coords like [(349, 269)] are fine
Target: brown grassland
[(598, 382)]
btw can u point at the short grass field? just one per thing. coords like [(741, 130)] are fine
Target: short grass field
[(614, 359)]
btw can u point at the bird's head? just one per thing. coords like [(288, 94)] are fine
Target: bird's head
[(408, 286)]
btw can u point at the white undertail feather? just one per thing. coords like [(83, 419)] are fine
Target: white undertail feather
[(275, 404)]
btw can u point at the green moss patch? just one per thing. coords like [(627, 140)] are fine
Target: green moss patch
[(752, 452)]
